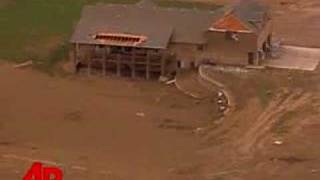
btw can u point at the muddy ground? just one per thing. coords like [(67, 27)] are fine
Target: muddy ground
[(118, 129), (97, 128)]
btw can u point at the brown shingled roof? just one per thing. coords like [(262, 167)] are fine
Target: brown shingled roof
[(159, 25)]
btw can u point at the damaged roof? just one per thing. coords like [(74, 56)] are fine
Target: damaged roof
[(246, 16), (159, 25)]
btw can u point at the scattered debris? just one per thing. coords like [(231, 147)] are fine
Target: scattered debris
[(171, 82), (27, 159), (175, 125), (314, 170), (290, 159), (198, 130), (163, 79), (220, 94), (79, 168), (278, 142), (74, 116), (223, 173), (222, 108), (24, 64), (140, 114)]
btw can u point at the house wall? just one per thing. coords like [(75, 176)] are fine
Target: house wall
[(85, 52), (218, 50), (263, 35), (228, 51), (185, 53)]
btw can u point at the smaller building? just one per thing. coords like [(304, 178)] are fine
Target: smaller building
[(144, 39)]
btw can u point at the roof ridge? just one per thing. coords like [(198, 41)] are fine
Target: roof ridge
[(146, 3)]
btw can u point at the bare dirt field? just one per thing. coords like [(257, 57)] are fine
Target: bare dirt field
[(273, 132), (97, 128), (297, 21), (119, 129)]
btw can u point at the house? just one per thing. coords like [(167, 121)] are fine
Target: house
[(144, 39)]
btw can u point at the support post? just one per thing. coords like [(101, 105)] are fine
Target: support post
[(75, 57), (148, 65), (270, 40), (163, 62), (257, 59), (133, 64), (104, 61), (118, 65), (89, 59), (89, 65)]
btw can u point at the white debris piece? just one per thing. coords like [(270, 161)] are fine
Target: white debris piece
[(140, 114), (222, 108), (278, 142), (220, 94), (198, 130), (25, 64), (314, 170), (163, 79), (171, 82)]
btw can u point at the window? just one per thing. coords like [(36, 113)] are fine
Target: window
[(232, 36), (251, 57), (200, 47), (179, 64), (128, 49), (115, 49)]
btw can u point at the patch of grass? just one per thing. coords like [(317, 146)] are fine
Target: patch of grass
[(40, 29), (291, 159), (188, 4), (265, 88), (282, 125)]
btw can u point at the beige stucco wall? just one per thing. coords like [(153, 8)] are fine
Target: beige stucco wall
[(217, 50), (225, 51)]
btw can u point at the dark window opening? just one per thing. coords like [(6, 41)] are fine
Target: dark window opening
[(192, 65), (179, 64), (115, 49), (200, 47), (251, 57), (229, 35), (128, 49)]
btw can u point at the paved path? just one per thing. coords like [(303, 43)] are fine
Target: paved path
[(296, 58), (190, 84)]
